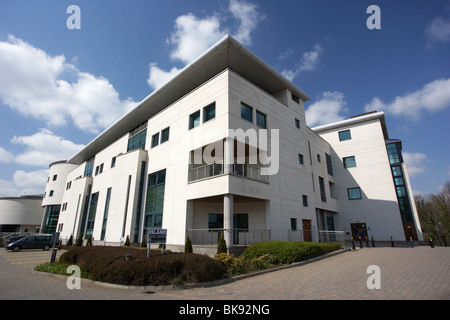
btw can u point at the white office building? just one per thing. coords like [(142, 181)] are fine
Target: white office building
[(225, 146)]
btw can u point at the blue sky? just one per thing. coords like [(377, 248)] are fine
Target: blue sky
[(60, 87)]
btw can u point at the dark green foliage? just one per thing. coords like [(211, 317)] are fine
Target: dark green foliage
[(89, 241), (222, 245), (79, 240), (188, 246), (144, 242), (108, 264), (286, 252), (127, 241), (70, 241)]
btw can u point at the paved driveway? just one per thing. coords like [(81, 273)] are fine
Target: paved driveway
[(419, 273)]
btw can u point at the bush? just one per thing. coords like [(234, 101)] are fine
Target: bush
[(242, 265), (70, 241), (286, 252), (222, 245), (79, 242), (188, 246), (127, 241), (108, 264)]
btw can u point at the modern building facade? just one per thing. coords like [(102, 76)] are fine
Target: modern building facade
[(223, 146), (20, 214)]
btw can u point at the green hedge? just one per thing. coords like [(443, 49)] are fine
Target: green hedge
[(286, 252)]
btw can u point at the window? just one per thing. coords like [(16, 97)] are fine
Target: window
[(165, 135), (137, 137), (105, 214), (318, 157), (54, 177), (293, 224), (394, 153), (246, 112), (329, 164), (305, 200), (89, 168), (209, 112), (194, 119), (113, 162), (300, 158), (323, 195), (354, 193), (295, 98), (101, 168), (345, 135), (349, 162), (297, 123), (96, 170), (91, 215), (51, 193), (155, 140), (261, 120), (68, 185), (240, 220), (155, 199)]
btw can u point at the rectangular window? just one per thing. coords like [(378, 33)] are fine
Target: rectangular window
[(55, 177), (194, 119), (246, 112), (137, 137), (97, 168), (101, 168), (51, 193), (91, 214), (165, 135), (295, 98), (394, 153), (113, 162), (240, 221), (155, 140), (305, 200), (323, 195), (300, 158), (318, 157), (354, 193), (293, 224), (209, 112), (89, 168), (329, 164), (105, 214), (154, 203), (297, 123), (349, 162), (261, 120), (345, 135)]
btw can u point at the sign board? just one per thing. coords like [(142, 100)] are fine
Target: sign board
[(156, 236)]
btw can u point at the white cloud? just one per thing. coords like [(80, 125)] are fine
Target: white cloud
[(414, 162), (192, 36), (44, 147), (434, 96), (326, 109), (437, 30), (31, 183), (309, 62), (48, 88), (6, 156)]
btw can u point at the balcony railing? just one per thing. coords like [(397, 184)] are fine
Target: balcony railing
[(240, 236), (216, 169)]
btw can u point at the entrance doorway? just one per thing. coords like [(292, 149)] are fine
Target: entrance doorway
[(410, 231), (306, 226), (359, 230)]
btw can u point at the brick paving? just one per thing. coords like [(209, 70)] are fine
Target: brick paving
[(421, 273)]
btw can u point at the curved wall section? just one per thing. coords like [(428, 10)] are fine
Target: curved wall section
[(20, 214)]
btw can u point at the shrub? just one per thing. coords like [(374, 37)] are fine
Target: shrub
[(188, 246), (89, 241), (70, 241), (108, 264), (79, 240), (286, 252), (144, 242), (241, 265), (127, 241), (222, 245)]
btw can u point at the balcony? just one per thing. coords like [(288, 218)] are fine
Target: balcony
[(248, 171)]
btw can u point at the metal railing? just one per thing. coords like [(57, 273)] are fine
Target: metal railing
[(240, 236), (215, 169), (317, 236)]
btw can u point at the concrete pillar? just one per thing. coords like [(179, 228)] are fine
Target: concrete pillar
[(228, 219), (228, 155)]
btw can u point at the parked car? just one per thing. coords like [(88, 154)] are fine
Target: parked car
[(31, 242), (14, 239)]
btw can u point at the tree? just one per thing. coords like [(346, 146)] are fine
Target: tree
[(127, 241), (70, 241), (89, 241), (434, 214), (144, 242), (79, 241)]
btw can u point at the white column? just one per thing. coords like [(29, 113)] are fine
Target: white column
[(228, 155), (228, 219)]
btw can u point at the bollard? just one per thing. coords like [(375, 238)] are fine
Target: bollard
[(360, 243), (411, 244), (367, 242), (392, 242), (431, 242), (353, 244), (373, 243), (128, 257)]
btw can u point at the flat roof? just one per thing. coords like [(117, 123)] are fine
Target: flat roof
[(227, 53), (354, 120)]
